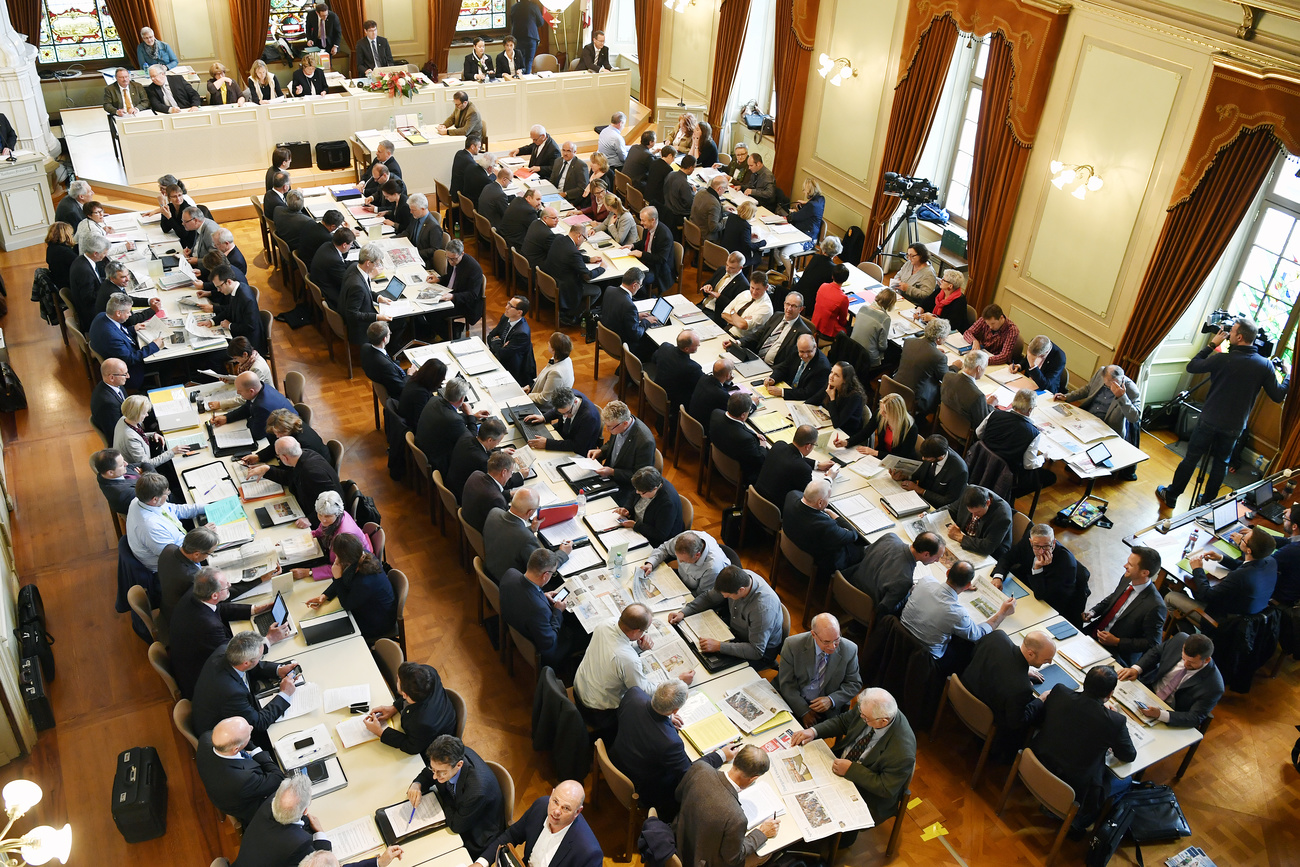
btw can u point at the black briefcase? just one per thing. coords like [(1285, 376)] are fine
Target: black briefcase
[(140, 795), (333, 155), (33, 687), (299, 153)]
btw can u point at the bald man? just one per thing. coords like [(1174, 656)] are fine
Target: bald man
[(510, 536), (553, 831), (1002, 676), (260, 400), (819, 671), (238, 777), (540, 236)]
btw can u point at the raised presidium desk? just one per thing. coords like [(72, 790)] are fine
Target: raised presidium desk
[(237, 138)]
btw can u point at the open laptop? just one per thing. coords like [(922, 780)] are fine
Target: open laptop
[(1223, 517), (1100, 456), (394, 288), (278, 613), (1263, 500)]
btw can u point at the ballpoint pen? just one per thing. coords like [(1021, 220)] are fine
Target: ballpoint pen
[(409, 819)]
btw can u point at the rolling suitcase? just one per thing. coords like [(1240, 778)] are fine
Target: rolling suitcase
[(299, 153), (333, 155), (33, 687), (140, 795)]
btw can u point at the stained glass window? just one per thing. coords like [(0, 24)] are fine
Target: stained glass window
[(289, 18), (77, 31), (478, 16)]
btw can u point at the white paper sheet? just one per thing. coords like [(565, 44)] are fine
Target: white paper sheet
[(342, 697), (353, 732), (357, 836)]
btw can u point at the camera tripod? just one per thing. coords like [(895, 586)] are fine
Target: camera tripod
[(1202, 466), (913, 233)]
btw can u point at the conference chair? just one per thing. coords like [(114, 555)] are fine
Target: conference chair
[(693, 242), (1056, 795), (268, 322), (527, 650), (335, 322), (482, 235), (608, 341), (490, 593), (546, 63), (624, 791), (507, 785), (955, 426), (874, 271), (378, 395), (161, 661), (712, 257), (468, 215), (458, 705), (473, 538), (524, 274), (805, 563), (768, 516), (635, 199), (449, 507), (1020, 525), (182, 714), (288, 269), (634, 373), (337, 450), (545, 287), (974, 714), (692, 432), (654, 396), (727, 467), (401, 589), (858, 605), (501, 251), (304, 412), (659, 461), (688, 512), (389, 654), (679, 254), (889, 385), (138, 598), (317, 300), (262, 224), (421, 462), (443, 195)]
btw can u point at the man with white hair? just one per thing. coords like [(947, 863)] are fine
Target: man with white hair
[(357, 296), (923, 365), (569, 173), (611, 142), (1002, 675), (384, 154), (84, 277), (170, 94), (1044, 363), (810, 525), (306, 474), (960, 393), (260, 400), (424, 232), (237, 776), (226, 687), (282, 832), (1013, 436), (152, 50), (112, 338), (819, 671), (706, 208), (1114, 398), (1045, 567), (224, 240), (655, 250), (542, 152), (290, 220), (875, 750), (699, 559), (727, 282), (69, 209), (326, 858), (204, 229)]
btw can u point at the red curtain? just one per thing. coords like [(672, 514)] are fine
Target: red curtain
[(733, 19), (246, 17), (649, 16), (1194, 236), (442, 29), (25, 16), (599, 14), (129, 16), (916, 100), (796, 28), (352, 14)]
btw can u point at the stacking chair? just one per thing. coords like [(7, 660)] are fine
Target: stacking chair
[(634, 373), (692, 432), (445, 200), (635, 199), (693, 242), (502, 251), (679, 254), (768, 515), (268, 323), (161, 661), (391, 658), (304, 412), (337, 450), (421, 462), (335, 322), (545, 287), (447, 500), (974, 714), (462, 714), (138, 598), (856, 604), (727, 467), (1056, 795), (874, 271), (624, 792), (654, 396), (378, 396), (468, 215), (546, 63), (688, 512), (622, 183), (955, 426), (805, 563), (889, 385), (182, 714), (262, 224), (483, 235), (490, 593), (523, 274), (473, 537), (401, 589), (712, 257), (507, 786), (608, 341)]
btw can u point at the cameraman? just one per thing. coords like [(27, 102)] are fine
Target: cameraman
[(1236, 377)]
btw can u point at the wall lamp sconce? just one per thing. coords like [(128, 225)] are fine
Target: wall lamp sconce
[(1086, 175), (837, 71), (678, 5), (41, 844)]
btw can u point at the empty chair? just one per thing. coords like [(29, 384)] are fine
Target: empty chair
[(524, 275), (654, 396), (337, 451), (805, 563), (447, 500), (401, 589), (472, 536), (874, 271), (295, 386), (955, 426), (138, 598), (267, 324), (692, 432), (624, 792), (335, 322), (693, 240), (502, 250), (507, 784), (889, 385), (490, 594), (974, 714), (857, 604), (421, 462), (181, 716), (547, 288), (688, 512), (1051, 791), (546, 63), (634, 373), (727, 467), (161, 661), (608, 342), (768, 516)]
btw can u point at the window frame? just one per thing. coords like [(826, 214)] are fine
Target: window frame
[(106, 62), (969, 79)]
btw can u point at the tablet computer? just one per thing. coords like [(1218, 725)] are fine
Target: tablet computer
[(394, 288)]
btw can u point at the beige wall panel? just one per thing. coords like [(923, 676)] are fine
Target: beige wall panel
[(194, 30)]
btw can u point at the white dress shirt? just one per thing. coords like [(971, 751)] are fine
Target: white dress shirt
[(546, 845), (755, 314), (611, 666)]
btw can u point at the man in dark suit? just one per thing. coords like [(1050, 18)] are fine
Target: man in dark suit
[(107, 396), (178, 569), (578, 847), (201, 623), (877, 745), (538, 616), (79, 193), (776, 341), (521, 213), (84, 276), (378, 365), (982, 522), (1041, 565), (787, 466), (827, 537), (943, 476), (595, 54), (959, 391), (463, 283), (305, 473), (655, 250), (1129, 621), (324, 30), (510, 537), (110, 337), (539, 237), (282, 832), (291, 221), (888, 566), (466, 788), (442, 421), (511, 341), (678, 195), (662, 518), (1182, 674), (170, 93), (819, 671), (470, 454), (730, 432), (372, 50), (711, 393), (224, 687), (493, 202), (310, 239), (260, 400), (639, 158), (485, 489), (474, 180), (1002, 675), (116, 478), (923, 365), (1245, 590), (618, 313), (542, 151), (423, 229), (648, 747), (576, 420), (377, 175), (565, 263), (461, 163), (631, 445), (711, 826), (806, 373), (422, 705), (237, 776), (235, 306), (657, 173), (1044, 363), (569, 174), (675, 370), (329, 265), (273, 200), (384, 157), (357, 296), (1075, 731)]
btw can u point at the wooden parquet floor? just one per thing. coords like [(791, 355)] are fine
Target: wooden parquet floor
[(1241, 795)]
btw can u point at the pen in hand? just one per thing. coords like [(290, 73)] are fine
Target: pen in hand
[(410, 818)]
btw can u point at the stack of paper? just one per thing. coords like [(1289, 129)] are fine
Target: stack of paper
[(354, 838), (858, 510), (706, 727)]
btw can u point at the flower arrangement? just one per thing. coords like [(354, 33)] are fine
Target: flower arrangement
[(393, 84)]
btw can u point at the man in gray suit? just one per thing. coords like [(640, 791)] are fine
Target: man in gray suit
[(711, 826), (819, 671), (874, 749), (630, 446), (1113, 398), (509, 537), (982, 522), (923, 365), (960, 393), (569, 174), (885, 573)]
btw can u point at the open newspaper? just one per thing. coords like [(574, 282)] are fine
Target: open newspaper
[(820, 802), (753, 705), (1133, 695), (706, 624)]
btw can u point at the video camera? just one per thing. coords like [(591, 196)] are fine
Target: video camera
[(1222, 320), (915, 191)]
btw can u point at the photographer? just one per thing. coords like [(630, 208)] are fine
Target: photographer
[(1236, 377)]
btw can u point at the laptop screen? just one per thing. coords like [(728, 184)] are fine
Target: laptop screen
[(662, 310), (1099, 454), (1224, 515), (394, 289), (1262, 495)]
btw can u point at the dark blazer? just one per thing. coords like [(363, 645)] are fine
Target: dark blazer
[(637, 164), (618, 313), (236, 258), (69, 211), (222, 692), (369, 599), (399, 212), (709, 395), (784, 470), (846, 410), (439, 427), (677, 372), (366, 60), (480, 496), (474, 181), (508, 542), (333, 31), (301, 85), (956, 311), (543, 157), (468, 457), (580, 432), (654, 181), (312, 477), (841, 682), (998, 675), (992, 534), (659, 261), (649, 750), (196, 631), (412, 402), (885, 574), (922, 369), (564, 262), (1074, 733), (473, 808), (513, 347), (108, 339), (176, 574), (593, 60), (466, 281), (105, 407), (271, 201), (663, 517), (638, 451), (422, 721), (881, 775), (356, 304), (959, 393), (84, 278), (1139, 627), (789, 348), (289, 225), (574, 182), (1054, 585), (537, 242), (241, 310), (578, 849), (941, 489), (834, 544), (382, 369), (519, 215), (239, 786), (310, 240), (460, 163), (1244, 590), (307, 438), (185, 96), (711, 827), (119, 492), (327, 270), (502, 63), (493, 203), (473, 67), (267, 843), (1195, 699), (258, 410), (59, 258), (813, 381), (234, 93), (526, 608), (737, 237), (1052, 376), (107, 289), (737, 441)]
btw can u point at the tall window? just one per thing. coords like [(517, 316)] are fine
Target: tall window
[(620, 29), (949, 152), (478, 16), (957, 197), (1268, 277), (289, 18), (75, 31)]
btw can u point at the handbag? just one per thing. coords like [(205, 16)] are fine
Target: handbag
[(13, 396)]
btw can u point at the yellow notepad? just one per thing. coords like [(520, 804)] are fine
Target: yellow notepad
[(783, 718), (710, 733)]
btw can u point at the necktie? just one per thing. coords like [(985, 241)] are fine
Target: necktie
[(855, 752), (743, 307), (970, 526), (451, 278), (320, 23), (564, 172), (1171, 685), (814, 687), (126, 98), (168, 97), (772, 339), (799, 373), (1104, 623), (648, 237), (374, 52), (172, 518)]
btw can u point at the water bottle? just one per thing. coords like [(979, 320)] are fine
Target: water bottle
[(392, 123), (419, 120), (582, 505), (1191, 542)]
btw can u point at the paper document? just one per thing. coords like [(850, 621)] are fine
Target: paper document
[(200, 479), (828, 810), (760, 803), (859, 511), (305, 699), (582, 559), (222, 490), (752, 705), (707, 624), (230, 438), (254, 489), (711, 732), (235, 533), (427, 812), (603, 522), (225, 511), (623, 535), (354, 838), (803, 768), (565, 531), (342, 697), (352, 732), (1082, 651)]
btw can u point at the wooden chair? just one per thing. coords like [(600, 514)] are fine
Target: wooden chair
[(805, 563), (82, 347), (547, 288), (288, 270), (635, 199), (679, 254), (391, 658), (335, 322), (524, 272), (452, 206), (857, 604), (337, 450), (659, 461), (955, 426), (502, 251), (974, 714), (182, 713), (727, 467), (624, 792), (304, 413), (161, 661), (482, 235), (688, 512), (268, 324), (317, 300), (473, 538), (458, 704), (378, 397), (490, 593), (654, 396), (768, 516), (622, 183), (634, 373), (692, 432), (262, 224), (693, 242), (447, 500), (889, 385), (468, 214), (401, 589), (378, 539), (138, 598), (507, 785), (527, 650), (1020, 524), (422, 471), (1051, 791), (610, 343), (874, 271), (712, 257), (546, 63)]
